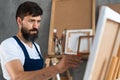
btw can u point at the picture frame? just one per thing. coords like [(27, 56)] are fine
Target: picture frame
[(89, 43), (72, 40), (105, 45)]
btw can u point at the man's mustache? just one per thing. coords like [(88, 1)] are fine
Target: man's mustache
[(34, 29)]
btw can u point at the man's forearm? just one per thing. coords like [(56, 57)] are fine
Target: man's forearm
[(17, 72), (47, 73), (43, 74)]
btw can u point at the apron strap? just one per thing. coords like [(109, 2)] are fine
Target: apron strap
[(22, 46), (37, 50)]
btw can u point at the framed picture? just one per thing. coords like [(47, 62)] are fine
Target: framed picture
[(72, 40), (106, 44)]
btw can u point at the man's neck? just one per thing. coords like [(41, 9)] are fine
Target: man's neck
[(29, 43)]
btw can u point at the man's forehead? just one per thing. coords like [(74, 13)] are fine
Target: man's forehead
[(32, 17)]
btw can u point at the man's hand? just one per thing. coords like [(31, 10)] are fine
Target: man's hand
[(68, 61)]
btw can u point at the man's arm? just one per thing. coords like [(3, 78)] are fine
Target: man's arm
[(16, 71)]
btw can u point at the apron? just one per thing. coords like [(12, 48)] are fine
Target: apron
[(30, 64)]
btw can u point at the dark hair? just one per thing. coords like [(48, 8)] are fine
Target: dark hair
[(29, 8)]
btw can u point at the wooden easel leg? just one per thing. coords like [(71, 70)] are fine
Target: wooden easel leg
[(68, 75), (47, 62), (113, 64), (54, 62)]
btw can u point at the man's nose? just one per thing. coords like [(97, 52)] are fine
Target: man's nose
[(36, 25)]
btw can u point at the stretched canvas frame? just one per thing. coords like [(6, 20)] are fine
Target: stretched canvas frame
[(72, 40), (107, 35)]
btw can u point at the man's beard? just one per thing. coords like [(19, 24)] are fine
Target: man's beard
[(28, 35)]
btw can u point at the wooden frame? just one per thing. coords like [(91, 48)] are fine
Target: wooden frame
[(70, 14), (106, 44), (85, 54), (72, 40), (89, 44)]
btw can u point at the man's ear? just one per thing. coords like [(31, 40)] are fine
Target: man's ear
[(19, 21)]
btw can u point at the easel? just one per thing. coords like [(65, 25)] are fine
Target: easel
[(61, 19)]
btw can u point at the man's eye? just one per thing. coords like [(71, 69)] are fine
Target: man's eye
[(31, 20), (38, 21)]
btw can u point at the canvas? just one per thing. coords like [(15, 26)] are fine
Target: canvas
[(104, 45)]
